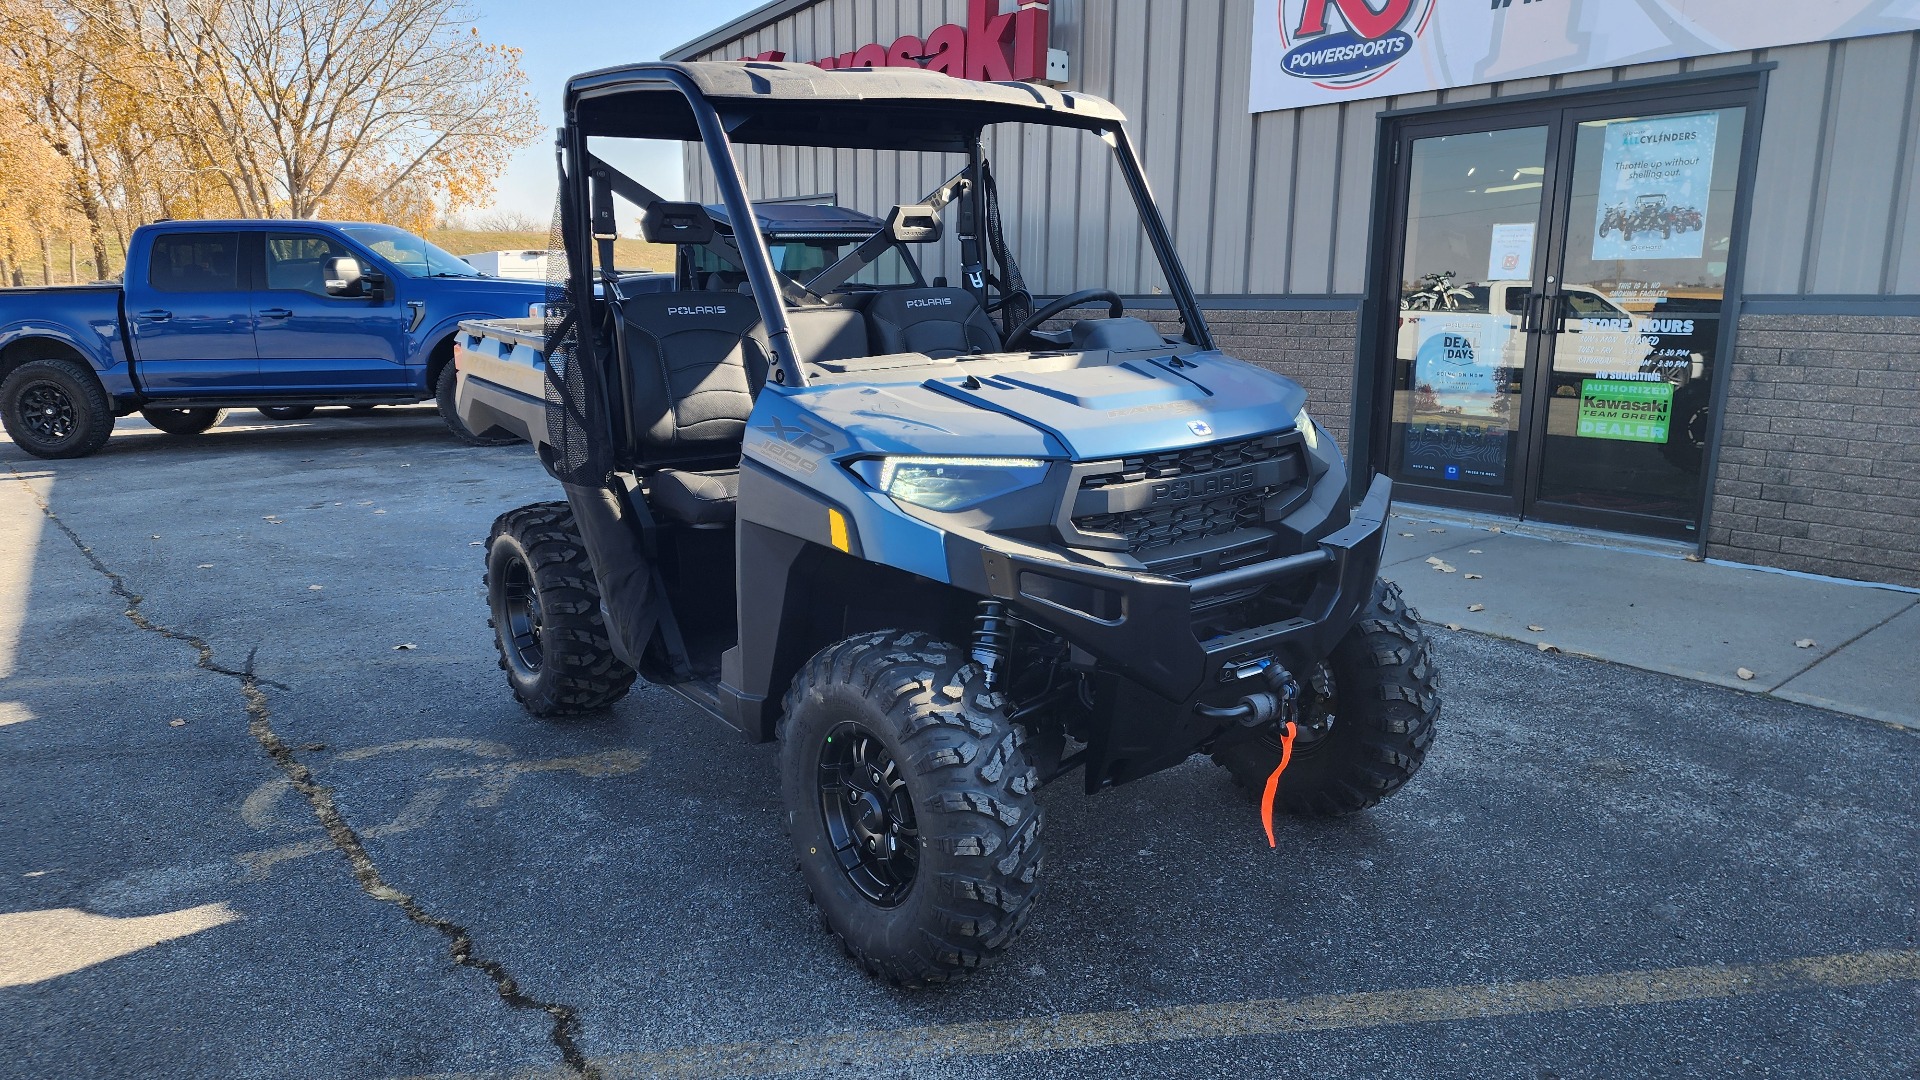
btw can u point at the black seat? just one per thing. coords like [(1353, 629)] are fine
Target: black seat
[(823, 335), (693, 363), (703, 500), (942, 323)]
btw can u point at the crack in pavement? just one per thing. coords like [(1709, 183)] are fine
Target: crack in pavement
[(565, 1034)]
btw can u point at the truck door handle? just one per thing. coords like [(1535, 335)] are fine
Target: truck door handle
[(156, 315), (276, 313)]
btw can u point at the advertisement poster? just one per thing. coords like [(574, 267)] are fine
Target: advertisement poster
[(1316, 52), (1625, 411), (1512, 256), (1458, 427), (1656, 178)]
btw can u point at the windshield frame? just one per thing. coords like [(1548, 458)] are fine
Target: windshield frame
[(370, 234)]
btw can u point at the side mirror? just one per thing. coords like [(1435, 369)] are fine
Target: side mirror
[(677, 223), (344, 277), (914, 224)]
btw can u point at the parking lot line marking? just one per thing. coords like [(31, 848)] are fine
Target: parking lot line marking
[(891, 1048)]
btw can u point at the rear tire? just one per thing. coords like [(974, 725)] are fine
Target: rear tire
[(546, 615), (444, 394), (1384, 702), (928, 869), (54, 408), (183, 421), (285, 412)]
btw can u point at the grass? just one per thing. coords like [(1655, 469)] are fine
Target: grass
[(627, 254)]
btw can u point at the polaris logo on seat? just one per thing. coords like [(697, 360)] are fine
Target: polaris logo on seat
[(939, 301), (714, 310), (1200, 487)]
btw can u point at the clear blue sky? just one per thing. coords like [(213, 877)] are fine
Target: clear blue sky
[(562, 38)]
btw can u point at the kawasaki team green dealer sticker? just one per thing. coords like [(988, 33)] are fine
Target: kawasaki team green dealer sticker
[(1627, 411)]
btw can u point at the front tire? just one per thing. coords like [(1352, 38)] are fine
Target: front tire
[(911, 806), (183, 421), (444, 395), (1377, 699), (546, 615), (54, 409), (285, 412)]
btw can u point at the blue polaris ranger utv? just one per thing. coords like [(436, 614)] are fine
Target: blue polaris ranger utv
[(945, 543)]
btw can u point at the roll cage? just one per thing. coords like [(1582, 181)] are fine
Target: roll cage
[(722, 105)]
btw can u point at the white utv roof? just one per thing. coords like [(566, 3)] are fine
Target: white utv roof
[(786, 104)]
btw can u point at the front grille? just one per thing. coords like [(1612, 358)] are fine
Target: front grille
[(1151, 528), (1148, 529), (1190, 462)]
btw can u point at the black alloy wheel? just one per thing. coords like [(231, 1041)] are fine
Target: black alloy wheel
[(868, 814), (47, 412), (520, 608), (544, 608)]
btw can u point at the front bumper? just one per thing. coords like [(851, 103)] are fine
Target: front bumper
[(1140, 630)]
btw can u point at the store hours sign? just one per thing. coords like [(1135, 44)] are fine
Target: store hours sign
[(1314, 52)]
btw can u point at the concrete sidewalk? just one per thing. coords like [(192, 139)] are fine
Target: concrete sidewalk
[(1842, 646)]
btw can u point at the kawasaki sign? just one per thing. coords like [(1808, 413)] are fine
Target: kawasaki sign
[(1313, 52), (993, 45)]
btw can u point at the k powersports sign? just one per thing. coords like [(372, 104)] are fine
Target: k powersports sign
[(1314, 52)]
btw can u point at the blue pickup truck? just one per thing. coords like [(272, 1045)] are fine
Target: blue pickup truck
[(281, 316)]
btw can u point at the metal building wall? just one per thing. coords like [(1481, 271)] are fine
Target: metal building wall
[(1278, 203)]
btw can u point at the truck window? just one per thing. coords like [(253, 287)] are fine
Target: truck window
[(195, 262), (297, 262)]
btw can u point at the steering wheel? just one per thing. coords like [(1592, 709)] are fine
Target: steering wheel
[(1115, 308)]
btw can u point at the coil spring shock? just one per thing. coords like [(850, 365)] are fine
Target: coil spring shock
[(992, 638)]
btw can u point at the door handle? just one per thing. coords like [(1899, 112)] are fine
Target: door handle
[(155, 315), (276, 313)]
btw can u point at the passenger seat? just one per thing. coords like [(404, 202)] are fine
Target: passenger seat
[(942, 323)]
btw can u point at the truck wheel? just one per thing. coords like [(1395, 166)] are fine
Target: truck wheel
[(1368, 719), (911, 807), (546, 615), (183, 421), (444, 398), (285, 412), (54, 408)]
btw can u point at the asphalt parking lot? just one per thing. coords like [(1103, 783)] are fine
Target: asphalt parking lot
[(269, 811)]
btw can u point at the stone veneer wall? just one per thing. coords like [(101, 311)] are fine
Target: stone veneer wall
[(1820, 457)]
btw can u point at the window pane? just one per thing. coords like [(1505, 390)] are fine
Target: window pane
[(195, 262), (298, 263)]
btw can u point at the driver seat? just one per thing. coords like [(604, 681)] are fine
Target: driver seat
[(942, 323)]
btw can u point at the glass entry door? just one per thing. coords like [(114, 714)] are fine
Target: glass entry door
[(1562, 285)]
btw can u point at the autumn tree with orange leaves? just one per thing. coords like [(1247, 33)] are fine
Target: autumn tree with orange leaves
[(115, 112)]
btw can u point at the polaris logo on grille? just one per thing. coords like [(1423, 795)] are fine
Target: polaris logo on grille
[(1200, 428), (939, 301), (1208, 485), (716, 309)]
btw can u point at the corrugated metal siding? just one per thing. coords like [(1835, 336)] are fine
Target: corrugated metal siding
[(1280, 202)]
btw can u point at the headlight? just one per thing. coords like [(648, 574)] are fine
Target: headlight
[(1307, 431), (949, 483)]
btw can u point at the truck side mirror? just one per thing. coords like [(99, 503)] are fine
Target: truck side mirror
[(345, 278)]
